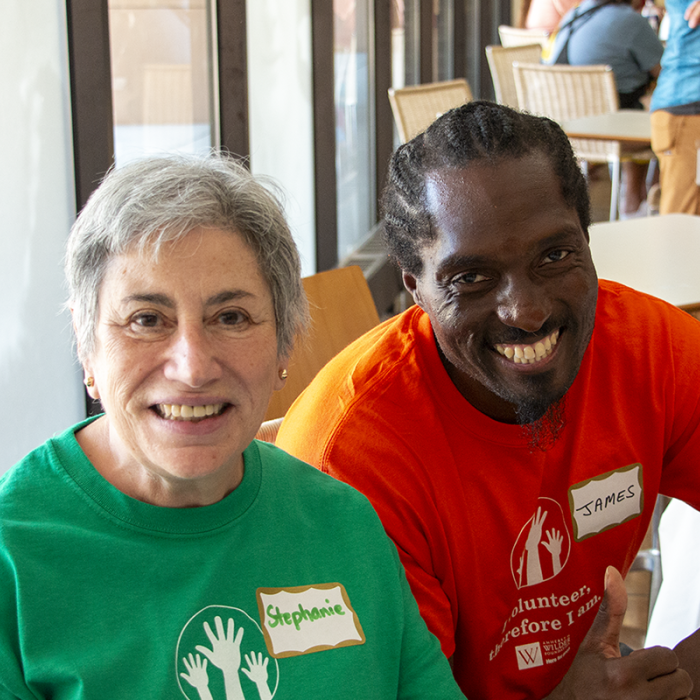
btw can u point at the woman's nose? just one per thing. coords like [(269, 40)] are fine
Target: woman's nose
[(191, 358), (524, 305)]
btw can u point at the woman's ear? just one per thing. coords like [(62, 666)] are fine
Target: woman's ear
[(281, 373), (88, 376), (90, 383)]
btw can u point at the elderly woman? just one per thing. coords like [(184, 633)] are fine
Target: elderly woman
[(158, 550)]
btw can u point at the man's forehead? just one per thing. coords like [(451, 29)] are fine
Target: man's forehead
[(487, 202)]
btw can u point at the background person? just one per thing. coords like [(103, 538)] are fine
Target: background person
[(158, 551), (614, 33), (544, 14), (675, 111), (514, 427)]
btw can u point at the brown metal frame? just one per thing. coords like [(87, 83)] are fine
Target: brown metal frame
[(233, 76), (91, 94), (324, 135), (384, 123)]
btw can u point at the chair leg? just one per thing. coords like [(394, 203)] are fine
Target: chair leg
[(615, 188)]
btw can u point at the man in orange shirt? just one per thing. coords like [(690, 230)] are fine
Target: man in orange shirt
[(514, 427)]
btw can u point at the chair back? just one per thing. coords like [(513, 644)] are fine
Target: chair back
[(515, 36), (563, 92), (416, 107), (501, 59), (342, 309)]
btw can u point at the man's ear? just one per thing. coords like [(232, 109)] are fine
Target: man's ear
[(411, 284)]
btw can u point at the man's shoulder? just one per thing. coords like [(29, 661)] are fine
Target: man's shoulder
[(627, 311), (362, 386), (368, 366)]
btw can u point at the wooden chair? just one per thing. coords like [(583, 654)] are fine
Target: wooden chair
[(501, 59), (342, 309), (515, 36), (563, 92), (416, 107)]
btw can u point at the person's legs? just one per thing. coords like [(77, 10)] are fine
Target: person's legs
[(673, 139), (635, 189)]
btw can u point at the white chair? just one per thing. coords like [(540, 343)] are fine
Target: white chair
[(563, 92), (501, 59), (416, 107), (515, 36)]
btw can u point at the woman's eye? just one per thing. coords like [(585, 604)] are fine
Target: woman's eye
[(146, 320), (232, 318), (555, 256)]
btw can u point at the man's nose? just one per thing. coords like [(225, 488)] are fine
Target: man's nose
[(191, 358), (524, 304)]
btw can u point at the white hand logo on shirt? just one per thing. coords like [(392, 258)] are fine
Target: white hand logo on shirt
[(529, 563), (197, 675), (224, 654)]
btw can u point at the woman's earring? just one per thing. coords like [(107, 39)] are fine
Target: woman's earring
[(89, 382), (283, 374)]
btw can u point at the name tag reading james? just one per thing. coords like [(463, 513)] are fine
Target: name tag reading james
[(606, 501), (306, 619)]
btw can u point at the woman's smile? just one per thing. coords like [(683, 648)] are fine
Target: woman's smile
[(185, 362)]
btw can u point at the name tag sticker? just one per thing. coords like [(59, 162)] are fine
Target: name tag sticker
[(306, 619), (606, 501)]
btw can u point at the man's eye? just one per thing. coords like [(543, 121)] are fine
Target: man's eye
[(556, 256), (470, 278)]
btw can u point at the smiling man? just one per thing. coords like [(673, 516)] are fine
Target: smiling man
[(515, 426)]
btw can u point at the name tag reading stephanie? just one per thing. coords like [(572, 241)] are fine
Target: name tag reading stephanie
[(606, 501), (307, 619)]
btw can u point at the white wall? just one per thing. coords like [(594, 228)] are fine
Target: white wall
[(40, 390), (280, 109)]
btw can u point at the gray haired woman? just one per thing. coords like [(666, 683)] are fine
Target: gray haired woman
[(158, 550)]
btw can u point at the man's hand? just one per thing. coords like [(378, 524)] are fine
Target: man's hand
[(599, 673), (692, 14), (688, 653)]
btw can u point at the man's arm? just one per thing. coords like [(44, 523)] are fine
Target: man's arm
[(598, 671)]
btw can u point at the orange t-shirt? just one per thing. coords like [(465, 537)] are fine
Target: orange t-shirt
[(506, 548)]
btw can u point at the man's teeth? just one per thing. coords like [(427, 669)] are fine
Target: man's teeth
[(529, 354), (181, 412)]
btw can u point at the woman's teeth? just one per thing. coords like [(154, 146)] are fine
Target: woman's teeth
[(181, 412), (529, 354)]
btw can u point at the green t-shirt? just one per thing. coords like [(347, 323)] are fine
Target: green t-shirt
[(287, 588)]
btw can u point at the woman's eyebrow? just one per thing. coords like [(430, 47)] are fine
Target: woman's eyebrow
[(159, 299), (164, 300), (228, 295)]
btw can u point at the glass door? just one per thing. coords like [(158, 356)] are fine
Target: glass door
[(162, 86), (353, 122)]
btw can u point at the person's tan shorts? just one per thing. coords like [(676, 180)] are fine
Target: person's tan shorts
[(675, 140)]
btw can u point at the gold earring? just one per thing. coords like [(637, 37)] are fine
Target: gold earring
[(283, 374), (89, 382)]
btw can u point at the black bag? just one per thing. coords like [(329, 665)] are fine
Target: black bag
[(562, 58)]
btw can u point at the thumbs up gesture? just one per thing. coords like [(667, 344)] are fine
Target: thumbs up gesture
[(598, 672)]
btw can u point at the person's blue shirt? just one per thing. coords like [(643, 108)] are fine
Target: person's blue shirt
[(679, 81), (613, 35)]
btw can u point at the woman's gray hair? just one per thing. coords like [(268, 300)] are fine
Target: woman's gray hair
[(149, 202)]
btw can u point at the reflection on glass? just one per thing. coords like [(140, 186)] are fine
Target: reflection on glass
[(443, 40), (354, 172), (404, 43), (161, 77)]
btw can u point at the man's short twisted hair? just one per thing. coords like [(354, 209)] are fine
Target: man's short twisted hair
[(149, 202), (475, 132)]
